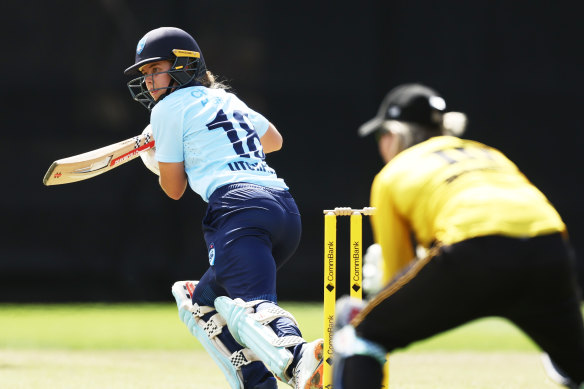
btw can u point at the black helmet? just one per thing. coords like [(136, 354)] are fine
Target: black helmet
[(166, 43), (414, 112)]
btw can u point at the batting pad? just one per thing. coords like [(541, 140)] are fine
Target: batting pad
[(206, 332), (251, 331)]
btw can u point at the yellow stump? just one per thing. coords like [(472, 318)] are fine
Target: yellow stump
[(330, 280), (385, 381), (356, 273), (356, 269)]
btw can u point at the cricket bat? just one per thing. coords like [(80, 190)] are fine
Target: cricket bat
[(87, 165)]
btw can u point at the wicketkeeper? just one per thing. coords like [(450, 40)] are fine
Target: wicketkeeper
[(495, 246)]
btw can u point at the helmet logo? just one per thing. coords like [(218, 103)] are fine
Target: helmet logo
[(394, 111), (141, 45), (437, 102)]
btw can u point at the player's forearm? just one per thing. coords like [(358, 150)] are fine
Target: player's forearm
[(174, 191), (173, 179)]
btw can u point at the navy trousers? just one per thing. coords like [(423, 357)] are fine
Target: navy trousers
[(250, 232)]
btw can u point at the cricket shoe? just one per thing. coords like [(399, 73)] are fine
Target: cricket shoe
[(556, 374), (308, 372)]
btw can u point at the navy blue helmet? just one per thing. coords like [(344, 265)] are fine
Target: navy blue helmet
[(171, 44)]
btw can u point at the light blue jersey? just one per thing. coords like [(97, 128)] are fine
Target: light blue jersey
[(216, 135)]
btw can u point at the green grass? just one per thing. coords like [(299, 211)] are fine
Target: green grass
[(113, 326), (157, 327), (146, 346)]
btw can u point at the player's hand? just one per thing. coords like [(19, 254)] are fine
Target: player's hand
[(373, 270), (148, 156), (346, 309)]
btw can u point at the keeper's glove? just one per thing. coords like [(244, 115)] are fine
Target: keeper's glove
[(373, 270)]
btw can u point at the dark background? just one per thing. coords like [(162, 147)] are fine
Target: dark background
[(317, 70)]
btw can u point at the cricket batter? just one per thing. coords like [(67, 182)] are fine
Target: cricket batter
[(210, 140), (495, 246)]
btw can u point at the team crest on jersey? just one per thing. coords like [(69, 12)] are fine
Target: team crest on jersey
[(141, 45), (212, 254)]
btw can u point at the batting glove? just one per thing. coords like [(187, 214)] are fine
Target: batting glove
[(149, 156)]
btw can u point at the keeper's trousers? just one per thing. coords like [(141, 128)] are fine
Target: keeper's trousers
[(531, 282)]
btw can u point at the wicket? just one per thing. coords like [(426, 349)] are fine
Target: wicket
[(330, 277)]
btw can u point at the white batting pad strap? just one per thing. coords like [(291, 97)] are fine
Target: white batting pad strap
[(287, 341), (268, 315), (214, 325), (243, 357), (251, 304), (260, 338), (201, 310)]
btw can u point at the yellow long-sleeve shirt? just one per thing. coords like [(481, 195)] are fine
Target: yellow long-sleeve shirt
[(446, 190)]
